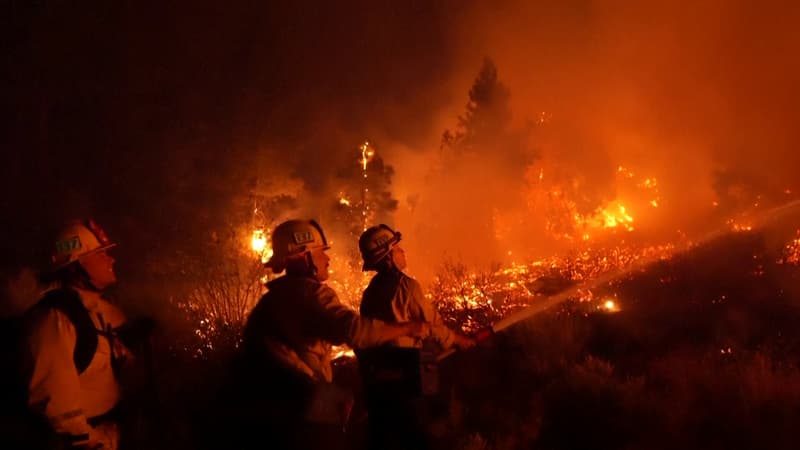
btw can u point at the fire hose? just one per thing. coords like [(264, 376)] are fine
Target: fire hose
[(485, 334)]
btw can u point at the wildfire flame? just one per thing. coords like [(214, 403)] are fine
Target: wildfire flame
[(473, 301), (367, 152), (613, 216), (610, 305), (739, 227), (570, 214), (259, 241), (616, 216), (260, 245), (341, 351)]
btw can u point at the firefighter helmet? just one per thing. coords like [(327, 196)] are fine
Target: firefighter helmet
[(295, 237), (376, 243), (76, 240)]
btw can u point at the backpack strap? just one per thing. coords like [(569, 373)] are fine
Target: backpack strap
[(68, 301)]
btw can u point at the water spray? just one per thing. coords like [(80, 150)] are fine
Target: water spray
[(758, 222)]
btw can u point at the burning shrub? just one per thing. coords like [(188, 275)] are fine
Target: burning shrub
[(217, 306)]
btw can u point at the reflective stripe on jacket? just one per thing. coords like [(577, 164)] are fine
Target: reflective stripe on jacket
[(56, 390)]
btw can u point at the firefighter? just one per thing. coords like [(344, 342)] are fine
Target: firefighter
[(287, 343), (392, 296), (71, 350)]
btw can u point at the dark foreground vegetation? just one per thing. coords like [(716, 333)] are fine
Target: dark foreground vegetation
[(703, 355)]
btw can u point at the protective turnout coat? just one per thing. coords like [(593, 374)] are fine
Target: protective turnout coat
[(68, 399), (393, 396), (395, 297), (298, 319)]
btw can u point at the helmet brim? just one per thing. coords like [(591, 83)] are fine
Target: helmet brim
[(273, 262), (373, 262), (56, 267)]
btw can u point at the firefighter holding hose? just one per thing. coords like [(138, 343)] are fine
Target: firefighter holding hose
[(287, 343), (392, 296)]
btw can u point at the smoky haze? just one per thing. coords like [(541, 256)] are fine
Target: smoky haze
[(702, 97), (164, 121), (160, 120)]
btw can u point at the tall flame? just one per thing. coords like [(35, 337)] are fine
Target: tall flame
[(260, 244)]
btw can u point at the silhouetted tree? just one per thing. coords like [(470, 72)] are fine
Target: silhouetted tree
[(485, 127)]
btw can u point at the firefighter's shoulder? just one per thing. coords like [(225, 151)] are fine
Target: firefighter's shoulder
[(322, 292), (409, 284)]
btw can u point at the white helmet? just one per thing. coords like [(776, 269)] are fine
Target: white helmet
[(375, 244), (76, 240), (292, 238)]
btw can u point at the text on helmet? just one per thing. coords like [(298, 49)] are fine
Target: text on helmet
[(303, 237), (68, 245)]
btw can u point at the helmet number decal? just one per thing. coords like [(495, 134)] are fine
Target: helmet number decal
[(303, 237), (68, 245)]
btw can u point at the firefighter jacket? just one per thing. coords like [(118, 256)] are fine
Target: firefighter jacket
[(393, 296), (298, 319), (66, 398)]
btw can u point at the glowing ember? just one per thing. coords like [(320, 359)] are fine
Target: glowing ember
[(610, 306), (473, 301), (367, 152), (341, 351), (544, 117), (791, 252), (738, 227), (624, 172)]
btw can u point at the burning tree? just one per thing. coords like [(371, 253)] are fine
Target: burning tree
[(575, 210), (216, 282), (364, 199), (364, 192), (215, 291)]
